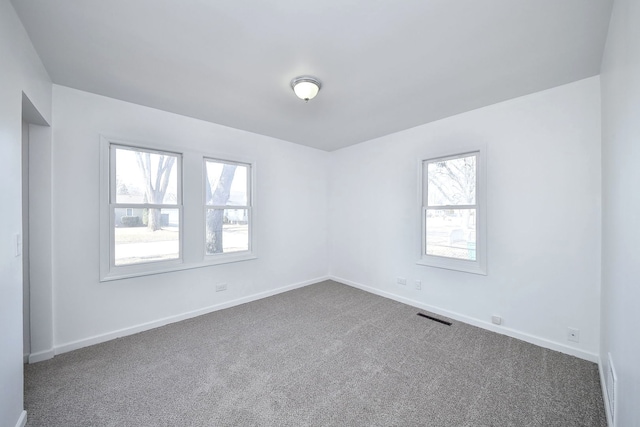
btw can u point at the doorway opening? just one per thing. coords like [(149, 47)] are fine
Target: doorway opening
[(35, 135)]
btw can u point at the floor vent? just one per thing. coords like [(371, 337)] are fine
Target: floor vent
[(444, 322), (611, 390)]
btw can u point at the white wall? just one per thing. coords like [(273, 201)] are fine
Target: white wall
[(543, 157), (20, 70), (291, 207), (621, 207)]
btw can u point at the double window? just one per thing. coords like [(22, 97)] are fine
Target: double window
[(453, 213), (148, 193)]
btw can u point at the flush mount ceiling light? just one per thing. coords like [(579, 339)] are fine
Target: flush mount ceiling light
[(305, 87)]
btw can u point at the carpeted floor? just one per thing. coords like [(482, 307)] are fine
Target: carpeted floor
[(326, 354)]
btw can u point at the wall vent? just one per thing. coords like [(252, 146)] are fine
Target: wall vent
[(611, 390)]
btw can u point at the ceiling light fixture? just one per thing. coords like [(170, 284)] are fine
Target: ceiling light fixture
[(306, 87)]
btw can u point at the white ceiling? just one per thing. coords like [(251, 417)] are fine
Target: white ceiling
[(386, 65)]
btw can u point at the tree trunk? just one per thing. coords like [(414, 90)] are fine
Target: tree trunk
[(155, 191), (215, 221), (154, 222), (215, 217)]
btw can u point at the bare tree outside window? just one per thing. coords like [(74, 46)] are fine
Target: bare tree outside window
[(215, 217), (452, 182), (156, 181), (227, 207), (451, 207), (146, 208), (141, 219)]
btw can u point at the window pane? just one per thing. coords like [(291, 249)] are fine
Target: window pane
[(144, 177), (452, 182), (451, 233), (153, 235), (226, 184), (227, 230)]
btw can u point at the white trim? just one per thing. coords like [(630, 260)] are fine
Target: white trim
[(605, 384), (22, 420), (97, 339), (542, 342), (110, 148), (221, 258), (479, 266), (168, 266), (104, 193), (189, 230), (452, 264), (41, 356), (605, 390)]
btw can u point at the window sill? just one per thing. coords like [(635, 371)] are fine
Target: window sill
[(178, 266), (474, 267)]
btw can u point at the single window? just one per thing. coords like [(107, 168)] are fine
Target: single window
[(453, 233), (145, 206), (227, 200)]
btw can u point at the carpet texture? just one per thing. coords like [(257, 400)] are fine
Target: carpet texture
[(323, 355)]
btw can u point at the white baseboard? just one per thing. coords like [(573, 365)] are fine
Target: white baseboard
[(542, 342), (605, 394), (41, 355), (22, 421), (97, 339)]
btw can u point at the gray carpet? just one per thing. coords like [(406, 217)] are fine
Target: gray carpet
[(323, 355)]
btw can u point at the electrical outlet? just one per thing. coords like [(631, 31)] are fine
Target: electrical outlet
[(401, 281), (418, 285), (496, 320), (573, 334), (221, 287)]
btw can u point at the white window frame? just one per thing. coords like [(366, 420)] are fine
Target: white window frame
[(213, 259), (479, 266), (191, 180), (108, 269)]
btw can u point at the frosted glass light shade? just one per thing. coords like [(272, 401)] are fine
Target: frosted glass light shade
[(306, 88)]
